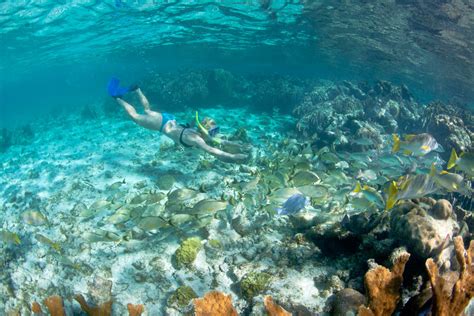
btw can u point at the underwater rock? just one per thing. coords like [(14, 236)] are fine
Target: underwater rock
[(424, 227), (442, 209), (452, 126), (100, 289), (277, 92), (181, 89), (222, 86), (331, 114), (346, 301)]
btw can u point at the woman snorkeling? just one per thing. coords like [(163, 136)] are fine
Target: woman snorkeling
[(166, 123)]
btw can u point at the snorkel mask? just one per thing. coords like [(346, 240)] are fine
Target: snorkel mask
[(208, 126)]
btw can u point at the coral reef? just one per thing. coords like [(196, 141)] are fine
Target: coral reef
[(254, 283), (277, 92), (452, 126), (452, 299), (187, 252), (214, 303), (331, 114), (177, 90), (182, 296), (383, 287), (221, 87), (424, 227)]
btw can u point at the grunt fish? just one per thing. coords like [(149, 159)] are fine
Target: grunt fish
[(410, 187), (451, 182), (366, 175), (304, 177), (208, 206), (465, 162), (9, 237), (45, 240), (34, 218), (151, 223), (418, 145), (365, 196)]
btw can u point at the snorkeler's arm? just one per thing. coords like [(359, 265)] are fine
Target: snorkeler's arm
[(216, 152)]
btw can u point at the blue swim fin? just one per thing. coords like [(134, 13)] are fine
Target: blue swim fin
[(115, 90)]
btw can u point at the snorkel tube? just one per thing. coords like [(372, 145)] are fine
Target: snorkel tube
[(205, 131)]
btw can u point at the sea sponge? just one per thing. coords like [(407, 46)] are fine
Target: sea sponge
[(55, 305), (135, 310), (182, 296), (273, 309), (452, 300), (187, 252), (253, 283), (383, 287), (36, 308), (214, 303), (101, 310)]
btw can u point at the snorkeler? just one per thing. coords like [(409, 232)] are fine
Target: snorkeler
[(166, 123)]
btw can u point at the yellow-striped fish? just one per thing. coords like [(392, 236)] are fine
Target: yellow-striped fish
[(418, 145), (465, 162), (9, 237), (410, 187)]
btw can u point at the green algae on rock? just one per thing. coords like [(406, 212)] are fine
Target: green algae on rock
[(187, 252), (253, 283), (182, 296), (215, 243)]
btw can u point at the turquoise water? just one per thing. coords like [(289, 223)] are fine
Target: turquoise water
[(70, 49), (292, 197)]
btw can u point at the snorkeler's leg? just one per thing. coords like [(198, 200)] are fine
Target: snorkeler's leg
[(138, 118), (143, 100), (216, 152)]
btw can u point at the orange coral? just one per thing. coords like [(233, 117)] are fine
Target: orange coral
[(135, 310), (55, 305), (214, 303), (102, 310), (273, 309), (449, 300), (383, 288), (36, 308)]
